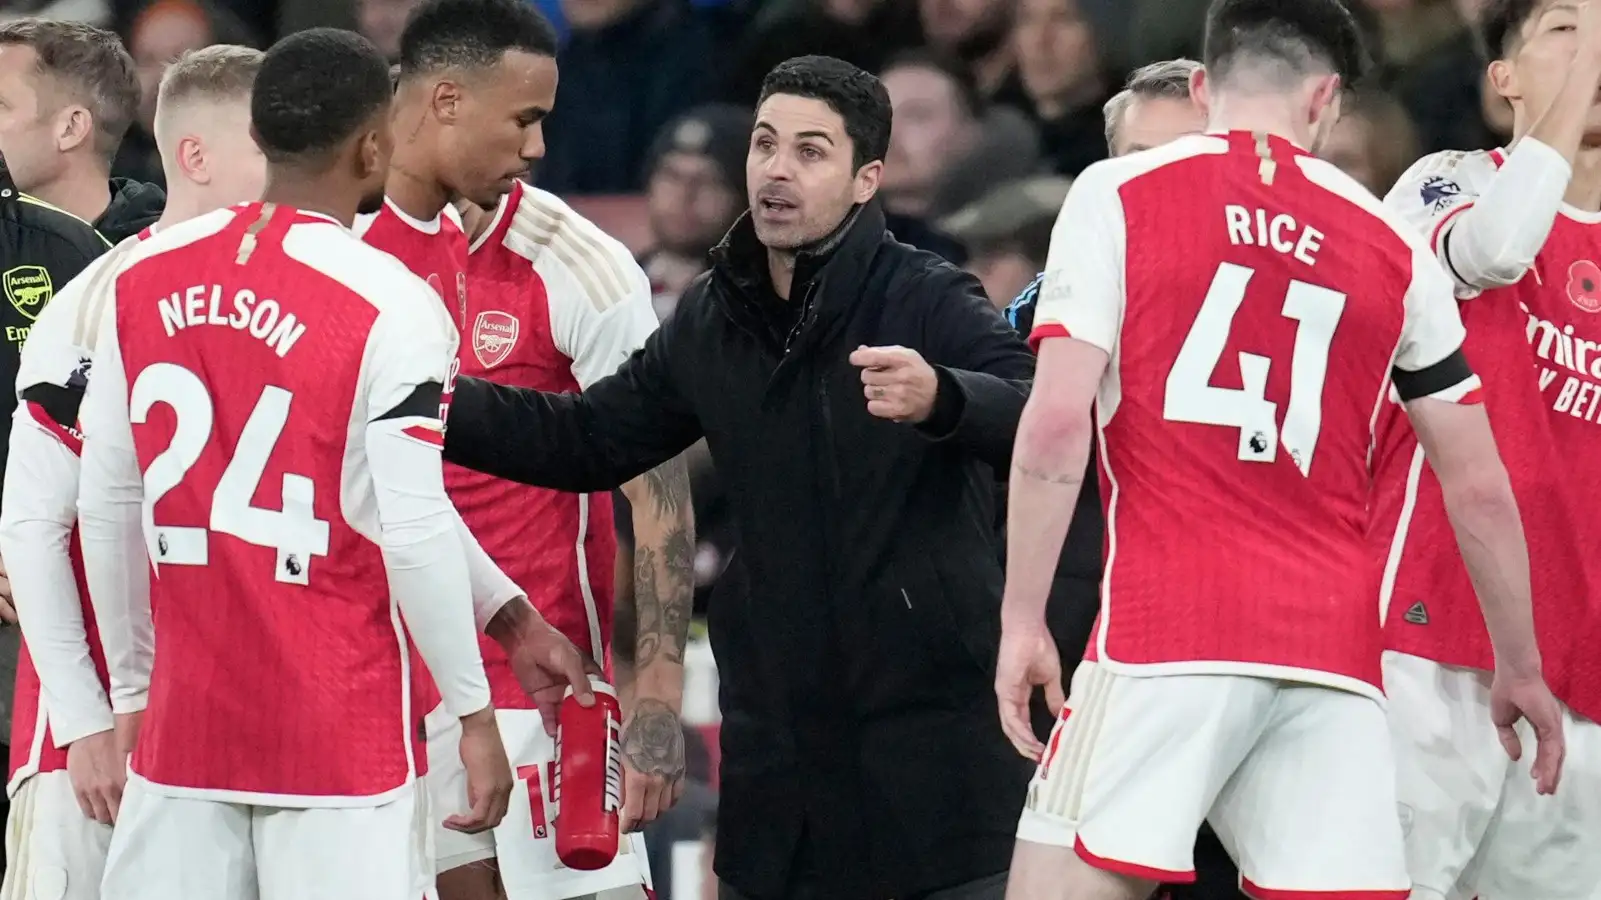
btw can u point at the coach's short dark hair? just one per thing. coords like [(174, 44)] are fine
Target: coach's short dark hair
[(1298, 35), (858, 97), (315, 89), (91, 66), (471, 34), (1500, 25)]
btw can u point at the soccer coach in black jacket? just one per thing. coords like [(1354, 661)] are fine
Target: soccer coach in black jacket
[(858, 397)]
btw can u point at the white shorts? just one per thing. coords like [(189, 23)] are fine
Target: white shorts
[(1296, 780), (525, 841), (1473, 822), (170, 848), (53, 850)]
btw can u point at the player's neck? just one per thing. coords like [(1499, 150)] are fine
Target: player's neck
[(1270, 115), (312, 194), (84, 193), (184, 203), (1584, 188), (411, 184)]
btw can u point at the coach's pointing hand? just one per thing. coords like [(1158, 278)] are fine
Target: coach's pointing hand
[(900, 385)]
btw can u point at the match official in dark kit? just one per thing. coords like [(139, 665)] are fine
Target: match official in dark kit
[(858, 397)]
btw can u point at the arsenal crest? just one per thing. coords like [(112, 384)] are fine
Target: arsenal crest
[(494, 334)]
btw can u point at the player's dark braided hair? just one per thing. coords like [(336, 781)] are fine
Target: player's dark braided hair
[(316, 88)]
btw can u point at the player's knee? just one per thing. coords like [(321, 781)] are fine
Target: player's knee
[(474, 881), (1054, 872)]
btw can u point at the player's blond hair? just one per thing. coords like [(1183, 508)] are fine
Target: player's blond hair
[(219, 73)]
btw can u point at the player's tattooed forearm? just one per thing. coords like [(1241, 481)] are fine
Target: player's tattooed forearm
[(668, 485), (1052, 477), (653, 741), (625, 630), (647, 607)]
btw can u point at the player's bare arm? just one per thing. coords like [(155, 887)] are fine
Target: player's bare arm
[(649, 656), (1048, 464)]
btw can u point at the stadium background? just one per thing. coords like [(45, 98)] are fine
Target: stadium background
[(997, 105)]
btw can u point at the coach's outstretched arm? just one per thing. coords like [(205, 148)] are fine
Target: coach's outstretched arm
[(1440, 391), (619, 428), (1487, 224)]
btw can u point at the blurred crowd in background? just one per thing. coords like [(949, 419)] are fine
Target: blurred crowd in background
[(997, 105)]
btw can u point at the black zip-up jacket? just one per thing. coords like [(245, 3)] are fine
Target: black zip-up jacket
[(41, 249), (134, 207), (859, 731)]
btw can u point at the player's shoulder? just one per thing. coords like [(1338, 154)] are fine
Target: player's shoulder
[(562, 244), (139, 249), (1449, 172), (1385, 227)]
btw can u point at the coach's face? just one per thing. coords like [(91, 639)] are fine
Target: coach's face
[(800, 173), (495, 124), (28, 127)]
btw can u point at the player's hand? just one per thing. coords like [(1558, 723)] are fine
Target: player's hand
[(1028, 660), (8, 612), (546, 664), (899, 384), (1588, 37), (653, 763), (98, 772), (489, 777), (127, 731), (1516, 696)]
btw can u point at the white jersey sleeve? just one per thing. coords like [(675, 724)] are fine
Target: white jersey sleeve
[(110, 523), (403, 378), (600, 298), (1429, 361), (1486, 223), (1083, 292), (40, 510)]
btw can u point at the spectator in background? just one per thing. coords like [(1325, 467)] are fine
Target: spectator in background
[(1008, 233), (1374, 141), (862, 32), (937, 111), (1449, 96), (89, 12), (161, 32), (628, 68), (382, 21), (693, 193), (1062, 80), (69, 93), (1154, 108), (975, 32)]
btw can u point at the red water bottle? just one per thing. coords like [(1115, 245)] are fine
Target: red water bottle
[(588, 783)]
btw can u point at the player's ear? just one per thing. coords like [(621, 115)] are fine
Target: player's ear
[(370, 158), (446, 101), (1504, 79), (191, 156), (1201, 90)]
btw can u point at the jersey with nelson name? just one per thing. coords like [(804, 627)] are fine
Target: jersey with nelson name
[(1255, 302), (556, 304), (62, 696), (1537, 346), (254, 346)]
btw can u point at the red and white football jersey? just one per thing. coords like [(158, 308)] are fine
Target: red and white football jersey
[(434, 250), (1537, 346), (61, 690), (279, 384), (1253, 300), (556, 304)]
